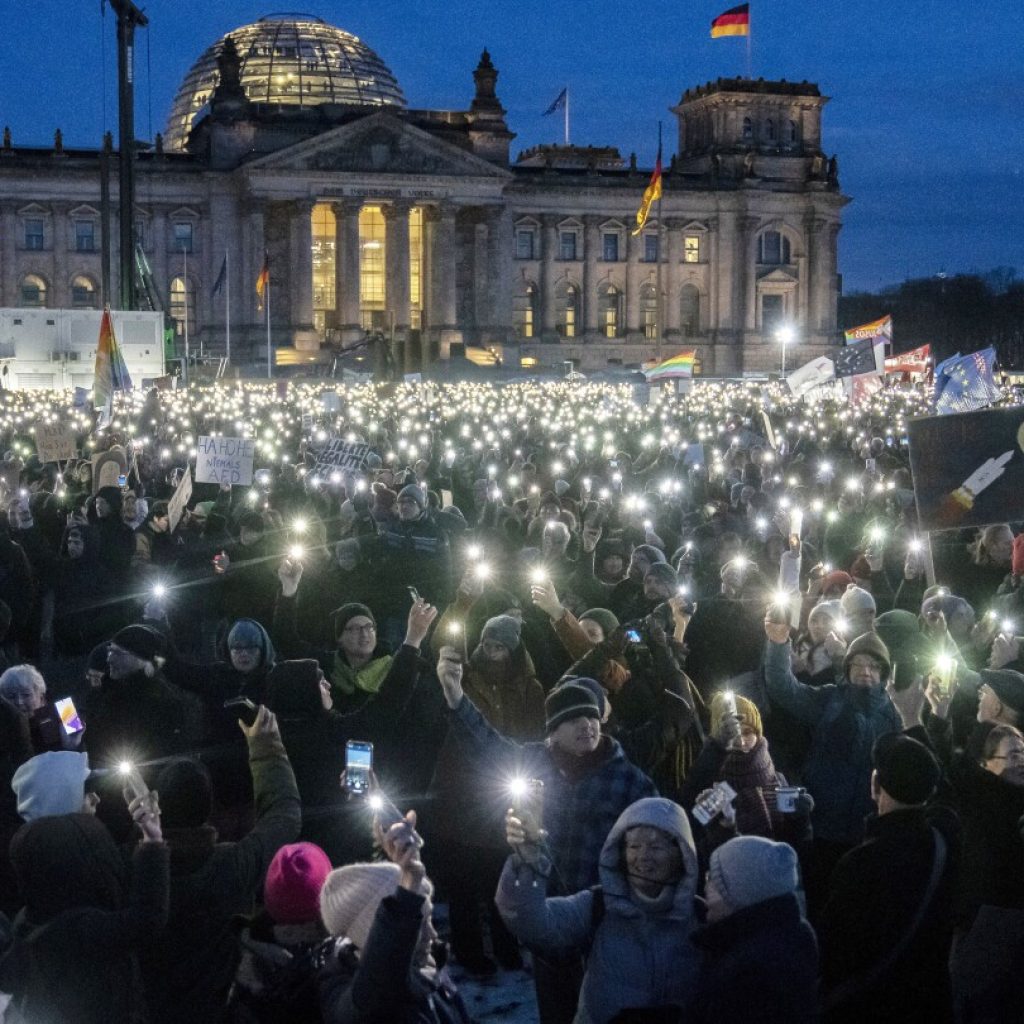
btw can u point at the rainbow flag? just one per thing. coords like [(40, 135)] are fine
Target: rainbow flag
[(880, 328), (110, 374), (679, 365), (733, 22)]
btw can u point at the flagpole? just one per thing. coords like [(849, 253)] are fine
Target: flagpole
[(268, 327), (184, 258), (227, 305), (750, 66), (659, 308), (567, 115)]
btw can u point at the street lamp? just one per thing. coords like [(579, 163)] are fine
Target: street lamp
[(785, 336)]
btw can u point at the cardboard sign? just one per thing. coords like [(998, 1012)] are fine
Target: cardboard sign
[(108, 467), (179, 501), (55, 442), (338, 454), (225, 460), (968, 469)]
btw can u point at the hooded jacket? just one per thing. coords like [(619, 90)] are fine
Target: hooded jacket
[(639, 956)]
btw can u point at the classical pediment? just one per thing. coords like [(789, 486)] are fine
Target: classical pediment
[(379, 144), (777, 276)]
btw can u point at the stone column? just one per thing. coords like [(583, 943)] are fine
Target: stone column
[(672, 275), (346, 270), (444, 328), (500, 243), (204, 275), (634, 278), (396, 265), (60, 296), (747, 291), (549, 275), (591, 271), (252, 255), (300, 245), (8, 256), (710, 314)]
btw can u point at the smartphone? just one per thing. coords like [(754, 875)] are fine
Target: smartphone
[(869, 465), (413, 593), (710, 806), (133, 779), (386, 813), (358, 765), (122, 480), (634, 637), (528, 802), (244, 708), (69, 716)]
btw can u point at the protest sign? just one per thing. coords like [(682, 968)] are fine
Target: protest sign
[(55, 442), (331, 401), (338, 454), (179, 500), (968, 469), (225, 460), (108, 467)]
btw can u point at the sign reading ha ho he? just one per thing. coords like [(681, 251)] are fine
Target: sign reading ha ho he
[(225, 460)]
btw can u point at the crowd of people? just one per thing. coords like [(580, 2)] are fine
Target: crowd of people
[(666, 701)]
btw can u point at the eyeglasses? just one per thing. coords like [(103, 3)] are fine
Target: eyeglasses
[(365, 630), (871, 666)]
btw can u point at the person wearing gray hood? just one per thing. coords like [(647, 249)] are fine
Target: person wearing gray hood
[(635, 928)]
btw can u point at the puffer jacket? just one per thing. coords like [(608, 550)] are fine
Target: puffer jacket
[(639, 957)]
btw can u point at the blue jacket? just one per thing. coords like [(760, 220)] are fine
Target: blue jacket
[(844, 721), (578, 812)]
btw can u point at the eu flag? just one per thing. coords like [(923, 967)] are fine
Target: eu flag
[(967, 382), (853, 360)]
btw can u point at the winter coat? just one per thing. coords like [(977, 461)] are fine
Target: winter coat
[(583, 797), (844, 721), (874, 893), (73, 957), (193, 964), (378, 984), (760, 966), (637, 956)]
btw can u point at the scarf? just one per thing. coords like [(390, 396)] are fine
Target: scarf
[(750, 774), (347, 680), (576, 768)]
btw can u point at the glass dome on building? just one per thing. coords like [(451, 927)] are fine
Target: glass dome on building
[(290, 59)]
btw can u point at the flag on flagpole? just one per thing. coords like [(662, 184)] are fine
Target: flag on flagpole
[(221, 275), (651, 194), (679, 365), (110, 373), (818, 371), (559, 102), (855, 359), (733, 22), (914, 361), (264, 279), (964, 383), (881, 328)]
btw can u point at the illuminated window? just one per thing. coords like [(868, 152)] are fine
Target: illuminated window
[(689, 311), (416, 267), (324, 264), (649, 310), (773, 249), (183, 303), (33, 291), (609, 311), (371, 264), (83, 293), (525, 312), (691, 248), (567, 309)]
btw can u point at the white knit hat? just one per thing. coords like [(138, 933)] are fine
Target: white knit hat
[(51, 783), (749, 869), (351, 895)]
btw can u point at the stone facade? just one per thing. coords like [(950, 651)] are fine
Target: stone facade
[(533, 258)]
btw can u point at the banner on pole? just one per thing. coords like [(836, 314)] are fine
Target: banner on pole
[(225, 460), (179, 501)]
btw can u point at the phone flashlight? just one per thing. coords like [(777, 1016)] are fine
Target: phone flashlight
[(299, 525), (914, 546), (295, 552), (481, 570), (159, 590), (538, 576), (454, 628), (1007, 626), (473, 552)]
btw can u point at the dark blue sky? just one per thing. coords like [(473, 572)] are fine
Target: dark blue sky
[(925, 113)]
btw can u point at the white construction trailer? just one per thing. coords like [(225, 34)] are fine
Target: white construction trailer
[(56, 348)]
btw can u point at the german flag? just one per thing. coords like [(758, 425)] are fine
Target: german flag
[(651, 194), (264, 279), (734, 22)]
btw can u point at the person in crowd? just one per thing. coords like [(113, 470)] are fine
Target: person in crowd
[(54, 782), (154, 548), (86, 919), (635, 928), (194, 962), (887, 926), (759, 953)]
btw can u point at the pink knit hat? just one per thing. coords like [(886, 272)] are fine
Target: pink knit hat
[(291, 893)]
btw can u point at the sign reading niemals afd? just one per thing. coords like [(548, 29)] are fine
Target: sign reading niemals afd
[(225, 460)]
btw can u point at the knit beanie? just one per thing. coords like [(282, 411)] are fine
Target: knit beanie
[(650, 552), (143, 642), (51, 783), (868, 643), (383, 497), (663, 573), (245, 633), (593, 686), (112, 496), (505, 630), (750, 869), (837, 579), (746, 710), (569, 701), (347, 612), (604, 618), (415, 492), (351, 895), (907, 770), (856, 601), (186, 794), (291, 892), (1007, 685)]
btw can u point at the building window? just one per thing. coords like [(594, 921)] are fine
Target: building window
[(525, 312), (609, 311), (610, 247), (34, 235), (183, 306), (651, 247), (83, 293), (567, 245), (323, 225), (85, 236), (769, 130), (691, 248), (567, 309), (773, 249), (33, 291), (183, 236), (773, 314), (689, 311), (793, 134), (748, 128), (372, 255), (649, 310), (526, 244)]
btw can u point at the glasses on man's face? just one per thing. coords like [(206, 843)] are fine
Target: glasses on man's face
[(867, 666), (365, 630)]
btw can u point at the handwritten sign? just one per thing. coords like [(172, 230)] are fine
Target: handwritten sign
[(225, 460), (55, 442), (338, 454), (179, 501)]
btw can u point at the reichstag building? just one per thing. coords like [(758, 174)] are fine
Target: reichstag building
[(291, 138)]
